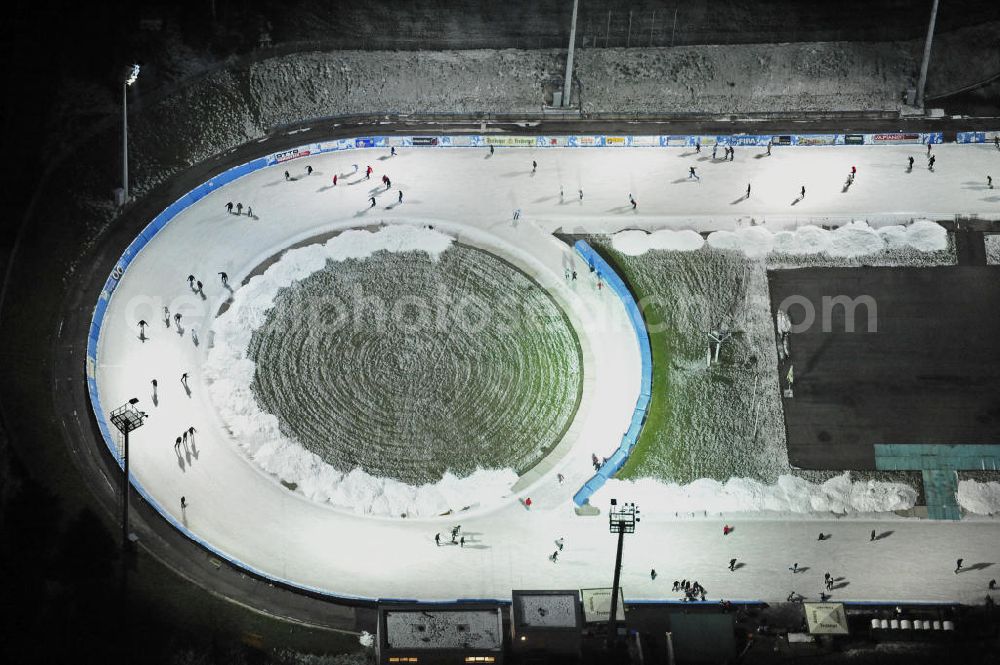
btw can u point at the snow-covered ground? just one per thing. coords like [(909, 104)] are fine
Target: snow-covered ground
[(234, 105), (469, 195), (725, 420), (992, 248)]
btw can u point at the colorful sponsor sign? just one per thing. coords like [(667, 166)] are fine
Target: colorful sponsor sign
[(586, 141), (815, 139), (783, 140), (555, 141), (369, 142), (425, 140), (897, 137), (617, 141), (854, 139), (294, 153), (748, 140)]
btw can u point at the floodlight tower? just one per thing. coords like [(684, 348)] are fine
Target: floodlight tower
[(126, 418), (568, 84), (132, 78), (926, 61), (621, 520)]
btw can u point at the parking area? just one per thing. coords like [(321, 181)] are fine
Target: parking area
[(928, 373)]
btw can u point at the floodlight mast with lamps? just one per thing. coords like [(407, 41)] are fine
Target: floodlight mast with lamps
[(126, 418), (132, 77), (621, 521)]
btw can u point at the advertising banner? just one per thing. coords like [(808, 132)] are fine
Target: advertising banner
[(464, 141), (815, 139), (369, 142), (783, 140), (586, 141), (645, 141), (554, 141), (616, 141), (424, 140), (977, 137), (330, 146), (854, 139), (897, 137), (673, 141), (511, 141), (294, 153), (745, 140)]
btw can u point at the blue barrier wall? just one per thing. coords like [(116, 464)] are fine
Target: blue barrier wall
[(976, 137), (620, 456)]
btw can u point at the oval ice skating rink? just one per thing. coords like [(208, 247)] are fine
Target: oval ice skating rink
[(250, 517)]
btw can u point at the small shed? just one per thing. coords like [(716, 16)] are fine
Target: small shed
[(546, 626), (440, 633)]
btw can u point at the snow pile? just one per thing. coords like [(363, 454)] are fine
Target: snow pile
[(754, 241), (979, 498), (230, 373), (635, 243), (992, 249), (850, 240), (803, 240), (790, 494)]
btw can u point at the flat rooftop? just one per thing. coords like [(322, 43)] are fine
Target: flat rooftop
[(444, 629)]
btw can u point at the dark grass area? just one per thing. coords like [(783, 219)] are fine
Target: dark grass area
[(930, 374), (717, 422)]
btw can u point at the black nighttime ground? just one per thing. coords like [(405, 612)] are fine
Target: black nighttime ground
[(339, 333)]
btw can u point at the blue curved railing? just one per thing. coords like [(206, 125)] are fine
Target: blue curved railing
[(620, 456)]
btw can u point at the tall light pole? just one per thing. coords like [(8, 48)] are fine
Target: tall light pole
[(126, 418), (925, 63), (568, 83), (132, 77), (621, 521)]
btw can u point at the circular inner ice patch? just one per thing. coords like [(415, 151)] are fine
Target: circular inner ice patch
[(407, 366)]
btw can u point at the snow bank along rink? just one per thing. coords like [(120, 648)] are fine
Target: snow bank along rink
[(250, 517)]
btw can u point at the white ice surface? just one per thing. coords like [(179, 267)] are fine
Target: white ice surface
[(249, 516)]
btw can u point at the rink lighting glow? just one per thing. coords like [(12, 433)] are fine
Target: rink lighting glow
[(133, 75)]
